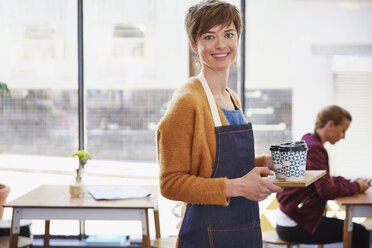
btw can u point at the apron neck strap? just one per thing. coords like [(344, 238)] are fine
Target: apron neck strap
[(211, 101)]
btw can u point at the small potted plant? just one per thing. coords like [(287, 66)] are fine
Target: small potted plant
[(4, 87), (76, 189)]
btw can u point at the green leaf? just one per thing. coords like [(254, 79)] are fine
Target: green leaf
[(82, 155), (3, 86)]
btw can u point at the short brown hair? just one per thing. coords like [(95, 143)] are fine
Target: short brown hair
[(331, 113), (205, 15)]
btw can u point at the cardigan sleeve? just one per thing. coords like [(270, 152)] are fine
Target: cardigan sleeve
[(260, 160), (175, 141)]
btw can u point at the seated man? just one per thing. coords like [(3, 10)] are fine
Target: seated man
[(299, 217)]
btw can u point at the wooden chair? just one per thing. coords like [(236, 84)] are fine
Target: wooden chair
[(169, 242), (271, 237), (23, 242), (368, 225)]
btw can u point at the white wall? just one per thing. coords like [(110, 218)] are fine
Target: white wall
[(321, 23), (282, 41), (280, 36)]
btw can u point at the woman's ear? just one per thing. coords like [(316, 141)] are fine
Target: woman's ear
[(330, 124), (194, 47)]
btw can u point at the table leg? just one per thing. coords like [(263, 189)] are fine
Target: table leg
[(47, 234), (81, 229), (157, 222), (15, 228), (145, 229), (348, 228)]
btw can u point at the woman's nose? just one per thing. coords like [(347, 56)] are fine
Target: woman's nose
[(220, 43)]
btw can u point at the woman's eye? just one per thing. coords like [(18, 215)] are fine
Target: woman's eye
[(229, 35), (208, 37)]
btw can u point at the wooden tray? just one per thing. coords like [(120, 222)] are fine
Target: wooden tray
[(310, 177)]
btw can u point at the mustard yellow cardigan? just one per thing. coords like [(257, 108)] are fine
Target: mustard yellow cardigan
[(186, 148)]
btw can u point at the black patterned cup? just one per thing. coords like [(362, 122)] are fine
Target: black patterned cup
[(277, 162), (293, 160)]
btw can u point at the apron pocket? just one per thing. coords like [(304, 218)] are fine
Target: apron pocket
[(244, 235)]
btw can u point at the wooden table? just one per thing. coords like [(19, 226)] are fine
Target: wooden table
[(49, 202), (359, 205)]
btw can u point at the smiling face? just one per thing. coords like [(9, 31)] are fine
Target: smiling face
[(337, 132), (217, 48)]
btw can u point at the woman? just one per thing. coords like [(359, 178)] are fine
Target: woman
[(299, 217), (205, 147)]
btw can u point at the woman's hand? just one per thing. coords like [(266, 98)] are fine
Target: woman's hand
[(252, 186), (363, 185)]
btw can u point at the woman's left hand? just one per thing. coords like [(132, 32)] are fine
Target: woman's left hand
[(252, 186), (269, 162)]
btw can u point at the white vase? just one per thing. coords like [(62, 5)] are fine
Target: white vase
[(77, 189)]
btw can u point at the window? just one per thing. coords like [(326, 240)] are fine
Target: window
[(270, 111), (353, 91), (39, 115), (129, 40), (135, 54), (125, 95)]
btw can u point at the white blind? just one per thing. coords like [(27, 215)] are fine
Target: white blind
[(351, 157)]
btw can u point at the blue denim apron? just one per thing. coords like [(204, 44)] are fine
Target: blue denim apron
[(236, 225)]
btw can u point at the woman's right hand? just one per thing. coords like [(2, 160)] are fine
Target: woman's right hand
[(363, 185), (252, 186)]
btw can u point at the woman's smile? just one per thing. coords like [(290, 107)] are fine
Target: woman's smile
[(220, 56)]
